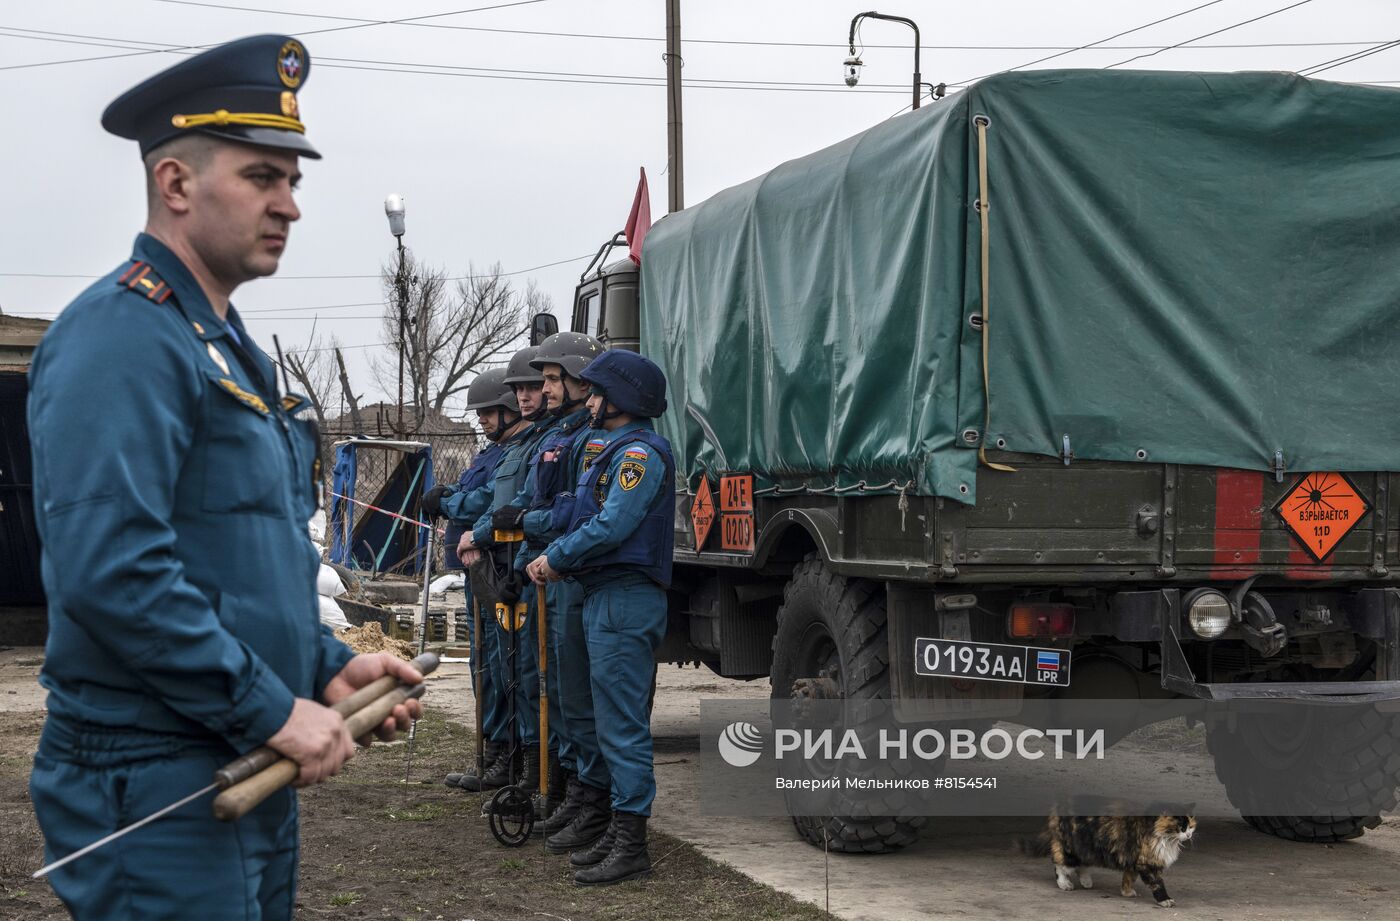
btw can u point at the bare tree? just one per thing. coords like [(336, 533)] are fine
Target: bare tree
[(450, 332), (313, 367)]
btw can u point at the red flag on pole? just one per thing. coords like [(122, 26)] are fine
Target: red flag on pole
[(639, 220)]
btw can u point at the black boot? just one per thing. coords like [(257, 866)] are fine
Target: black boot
[(585, 827), (568, 807), (497, 775), (628, 858), (600, 850), (546, 805), (528, 779), (558, 785), (490, 752)]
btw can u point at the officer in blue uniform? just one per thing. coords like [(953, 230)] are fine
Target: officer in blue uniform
[(183, 619), (496, 410), (558, 361), (505, 484), (617, 542)]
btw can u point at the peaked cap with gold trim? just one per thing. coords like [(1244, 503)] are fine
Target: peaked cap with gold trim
[(244, 91)]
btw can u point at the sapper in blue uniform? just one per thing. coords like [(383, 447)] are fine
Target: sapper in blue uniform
[(579, 817), (462, 505), (499, 415), (504, 484), (183, 619), (618, 542)]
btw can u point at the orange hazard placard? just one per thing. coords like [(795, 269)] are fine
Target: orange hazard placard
[(1320, 510), (736, 493), (702, 513), (736, 531)]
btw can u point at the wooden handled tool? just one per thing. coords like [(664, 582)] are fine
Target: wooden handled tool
[(542, 631), (237, 800), (240, 769)]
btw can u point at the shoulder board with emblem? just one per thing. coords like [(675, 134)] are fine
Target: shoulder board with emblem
[(142, 279)]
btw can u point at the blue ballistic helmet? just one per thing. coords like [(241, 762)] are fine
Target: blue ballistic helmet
[(633, 383)]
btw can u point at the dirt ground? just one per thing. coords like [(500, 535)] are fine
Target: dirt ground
[(373, 847)]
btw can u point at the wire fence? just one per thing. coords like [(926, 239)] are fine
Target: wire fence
[(452, 452)]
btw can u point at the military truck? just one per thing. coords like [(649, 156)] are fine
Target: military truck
[(1098, 363)]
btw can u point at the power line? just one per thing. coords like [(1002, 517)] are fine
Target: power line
[(732, 41), (533, 268), (1216, 32), (1155, 22), (583, 78), (358, 25), (1347, 59), (529, 75)]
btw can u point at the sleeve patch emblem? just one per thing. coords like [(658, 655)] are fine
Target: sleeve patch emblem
[(635, 454), (591, 451), (630, 474)]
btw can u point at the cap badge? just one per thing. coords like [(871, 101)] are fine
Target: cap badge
[(291, 63)]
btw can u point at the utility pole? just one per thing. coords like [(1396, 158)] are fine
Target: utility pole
[(675, 165)]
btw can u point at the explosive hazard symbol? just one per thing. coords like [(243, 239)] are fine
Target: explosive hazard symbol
[(1320, 510), (702, 513)]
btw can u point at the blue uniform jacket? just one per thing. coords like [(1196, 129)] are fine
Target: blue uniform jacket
[(624, 510), (172, 492), (473, 495), (505, 481), (552, 471)]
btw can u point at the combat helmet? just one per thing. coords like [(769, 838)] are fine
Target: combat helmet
[(521, 369), (490, 389), (570, 351), (631, 382)]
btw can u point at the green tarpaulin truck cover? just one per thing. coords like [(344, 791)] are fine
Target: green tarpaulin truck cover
[(1187, 268)]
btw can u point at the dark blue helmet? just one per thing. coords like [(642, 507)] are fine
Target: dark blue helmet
[(632, 382)]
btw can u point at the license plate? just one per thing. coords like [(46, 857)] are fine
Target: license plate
[(991, 662)]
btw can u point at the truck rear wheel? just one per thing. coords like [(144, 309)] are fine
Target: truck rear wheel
[(1355, 779), (831, 643)]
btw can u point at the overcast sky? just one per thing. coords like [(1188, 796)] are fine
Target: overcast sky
[(505, 151)]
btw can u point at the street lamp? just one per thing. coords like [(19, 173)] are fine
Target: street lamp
[(854, 63), (394, 209)]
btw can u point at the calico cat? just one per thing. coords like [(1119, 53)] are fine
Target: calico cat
[(1136, 845)]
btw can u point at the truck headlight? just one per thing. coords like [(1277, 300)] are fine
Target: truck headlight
[(1208, 613)]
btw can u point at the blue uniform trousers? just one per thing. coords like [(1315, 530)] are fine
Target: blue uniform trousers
[(89, 781), (558, 732), (570, 663), (624, 618), (493, 707)]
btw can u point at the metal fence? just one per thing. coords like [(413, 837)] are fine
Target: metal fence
[(452, 452)]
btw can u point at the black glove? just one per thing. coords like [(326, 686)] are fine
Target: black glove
[(508, 518), (432, 500), (511, 588)]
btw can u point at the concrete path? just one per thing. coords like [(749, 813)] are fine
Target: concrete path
[(965, 868)]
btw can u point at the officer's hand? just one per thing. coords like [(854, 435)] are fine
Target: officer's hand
[(368, 667), (508, 518), (315, 738), (466, 550), (541, 572), (432, 500)]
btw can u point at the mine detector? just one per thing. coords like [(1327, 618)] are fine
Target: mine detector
[(1076, 368)]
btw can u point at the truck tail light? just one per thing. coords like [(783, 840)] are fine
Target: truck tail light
[(1041, 620)]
